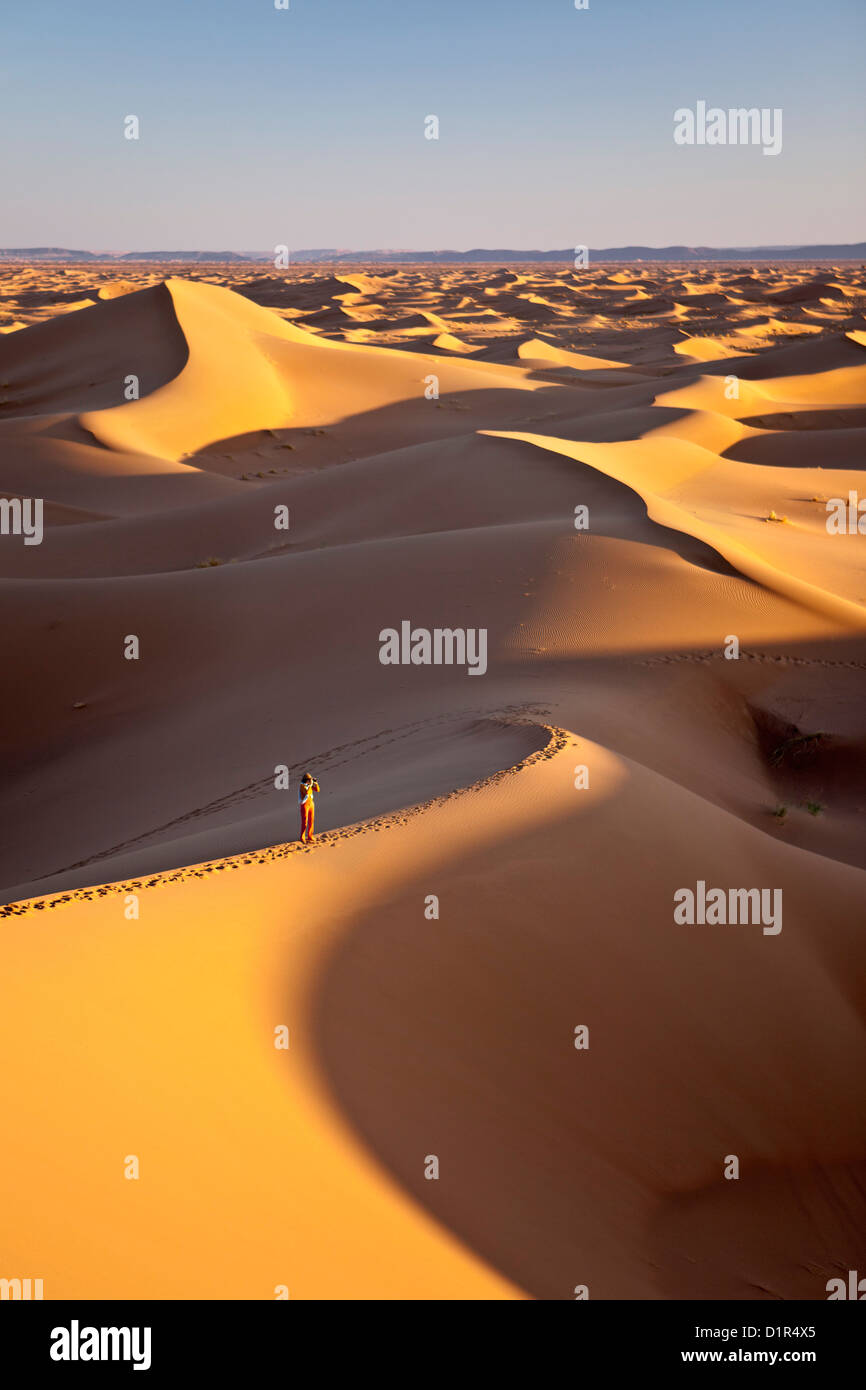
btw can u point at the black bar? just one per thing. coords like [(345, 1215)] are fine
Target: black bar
[(221, 1340)]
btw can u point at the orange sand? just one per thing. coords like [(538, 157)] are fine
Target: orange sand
[(409, 1037)]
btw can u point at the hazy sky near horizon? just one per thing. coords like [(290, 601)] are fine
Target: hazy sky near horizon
[(305, 127)]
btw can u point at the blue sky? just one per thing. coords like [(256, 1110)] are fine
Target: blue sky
[(305, 127)]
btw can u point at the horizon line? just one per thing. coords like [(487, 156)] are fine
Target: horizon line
[(304, 255)]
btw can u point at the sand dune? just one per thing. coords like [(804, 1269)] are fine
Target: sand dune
[(432, 431)]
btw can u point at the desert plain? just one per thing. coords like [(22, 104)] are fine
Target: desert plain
[(624, 476)]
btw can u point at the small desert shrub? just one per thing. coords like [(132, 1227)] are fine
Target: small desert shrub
[(798, 748)]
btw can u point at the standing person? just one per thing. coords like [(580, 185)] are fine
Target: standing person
[(307, 806)]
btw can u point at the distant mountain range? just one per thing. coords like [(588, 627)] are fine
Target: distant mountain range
[(854, 251)]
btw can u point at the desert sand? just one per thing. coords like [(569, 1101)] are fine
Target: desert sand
[(432, 431)]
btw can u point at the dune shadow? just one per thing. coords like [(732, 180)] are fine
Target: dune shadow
[(453, 1039), (807, 1223), (44, 368)]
